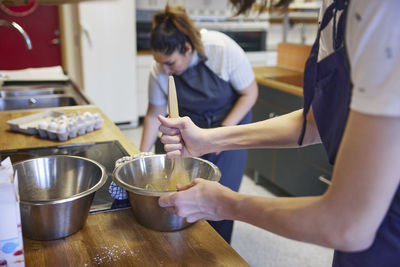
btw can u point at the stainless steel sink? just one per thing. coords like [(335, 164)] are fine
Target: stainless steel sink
[(29, 96), (14, 103), (11, 93)]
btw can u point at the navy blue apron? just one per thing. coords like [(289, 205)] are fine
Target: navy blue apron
[(327, 88), (207, 99), (327, 85)]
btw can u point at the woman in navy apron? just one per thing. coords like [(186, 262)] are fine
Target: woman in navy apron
[(209, 100), (327, 89), (359, 215)]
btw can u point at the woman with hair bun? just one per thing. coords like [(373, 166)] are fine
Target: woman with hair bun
[(215, 87)]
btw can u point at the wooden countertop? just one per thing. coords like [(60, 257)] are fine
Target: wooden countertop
[(115, 238), (144, 52), (280, 78), (14, 140)]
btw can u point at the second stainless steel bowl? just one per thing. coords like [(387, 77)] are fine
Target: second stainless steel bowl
[(56, 193), (133, 176)]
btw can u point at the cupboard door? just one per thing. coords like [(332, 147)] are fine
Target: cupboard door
[(314, 166), (288, 170), (294, 170), (262, 161), (279, 166), (310, 184), (42, 27), (108, 42), (143, 64), (316, 155)]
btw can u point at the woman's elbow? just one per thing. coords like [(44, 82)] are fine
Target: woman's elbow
[(351, 240)]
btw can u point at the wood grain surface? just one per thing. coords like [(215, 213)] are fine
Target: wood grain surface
[(14, 140), (115, 238), (292, 55), (280, 78)]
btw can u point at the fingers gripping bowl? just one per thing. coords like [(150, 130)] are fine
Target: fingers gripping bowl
[(143, 177)]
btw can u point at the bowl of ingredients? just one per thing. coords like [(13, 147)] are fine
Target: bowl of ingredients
[(149, 177), (56, 193)]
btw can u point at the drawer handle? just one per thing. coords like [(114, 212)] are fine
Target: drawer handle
[(324, 180)]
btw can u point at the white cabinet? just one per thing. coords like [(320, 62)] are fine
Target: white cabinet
[(108, 42), (143, 63)]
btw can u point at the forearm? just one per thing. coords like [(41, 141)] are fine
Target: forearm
[(149, 134), (150, 127), (295, 218), (306, 219), (282, 131), (340, 218), (242, 106)]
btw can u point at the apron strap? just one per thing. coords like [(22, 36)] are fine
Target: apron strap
[(310, 70)]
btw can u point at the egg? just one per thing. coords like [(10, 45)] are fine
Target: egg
[(62, 117), (81, 119), (43, 125), (62, 128), (52, 126), (88, 116), (97, 116)]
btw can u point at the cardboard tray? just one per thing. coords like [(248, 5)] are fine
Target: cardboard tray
[(30, 124)]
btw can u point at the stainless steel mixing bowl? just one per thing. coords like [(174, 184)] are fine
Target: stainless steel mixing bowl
[(56, 193), (133, 176)]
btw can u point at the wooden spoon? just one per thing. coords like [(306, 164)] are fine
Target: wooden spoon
[(172, 98), (178, 174)]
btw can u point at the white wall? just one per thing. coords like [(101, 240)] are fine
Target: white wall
[(108, 44), (71, 43)]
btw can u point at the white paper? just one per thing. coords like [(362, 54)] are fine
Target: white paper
[(6, 171), (8, 227), (35, 74), (11, 244)]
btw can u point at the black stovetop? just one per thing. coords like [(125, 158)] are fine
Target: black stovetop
[(105, 153)]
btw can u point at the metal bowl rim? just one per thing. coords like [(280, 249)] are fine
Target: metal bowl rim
[(93, 189), (144, 192)]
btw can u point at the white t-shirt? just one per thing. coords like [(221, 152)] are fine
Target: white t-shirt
[(224, 57), (373, 48), (373, 45)]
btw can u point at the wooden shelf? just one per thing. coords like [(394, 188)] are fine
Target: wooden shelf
[(294, 20)]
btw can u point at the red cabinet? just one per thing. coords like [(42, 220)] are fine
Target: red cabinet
[(42, 26)]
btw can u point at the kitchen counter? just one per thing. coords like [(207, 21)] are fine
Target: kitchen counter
[(281, 78), (115, 238), (144, 52)]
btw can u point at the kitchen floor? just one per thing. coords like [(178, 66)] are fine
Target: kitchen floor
[(259, 247)]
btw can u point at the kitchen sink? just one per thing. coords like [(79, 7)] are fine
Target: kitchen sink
[(11, 93), (14, 103), (48, 95)]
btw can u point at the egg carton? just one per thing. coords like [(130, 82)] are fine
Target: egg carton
[(56, 125)]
